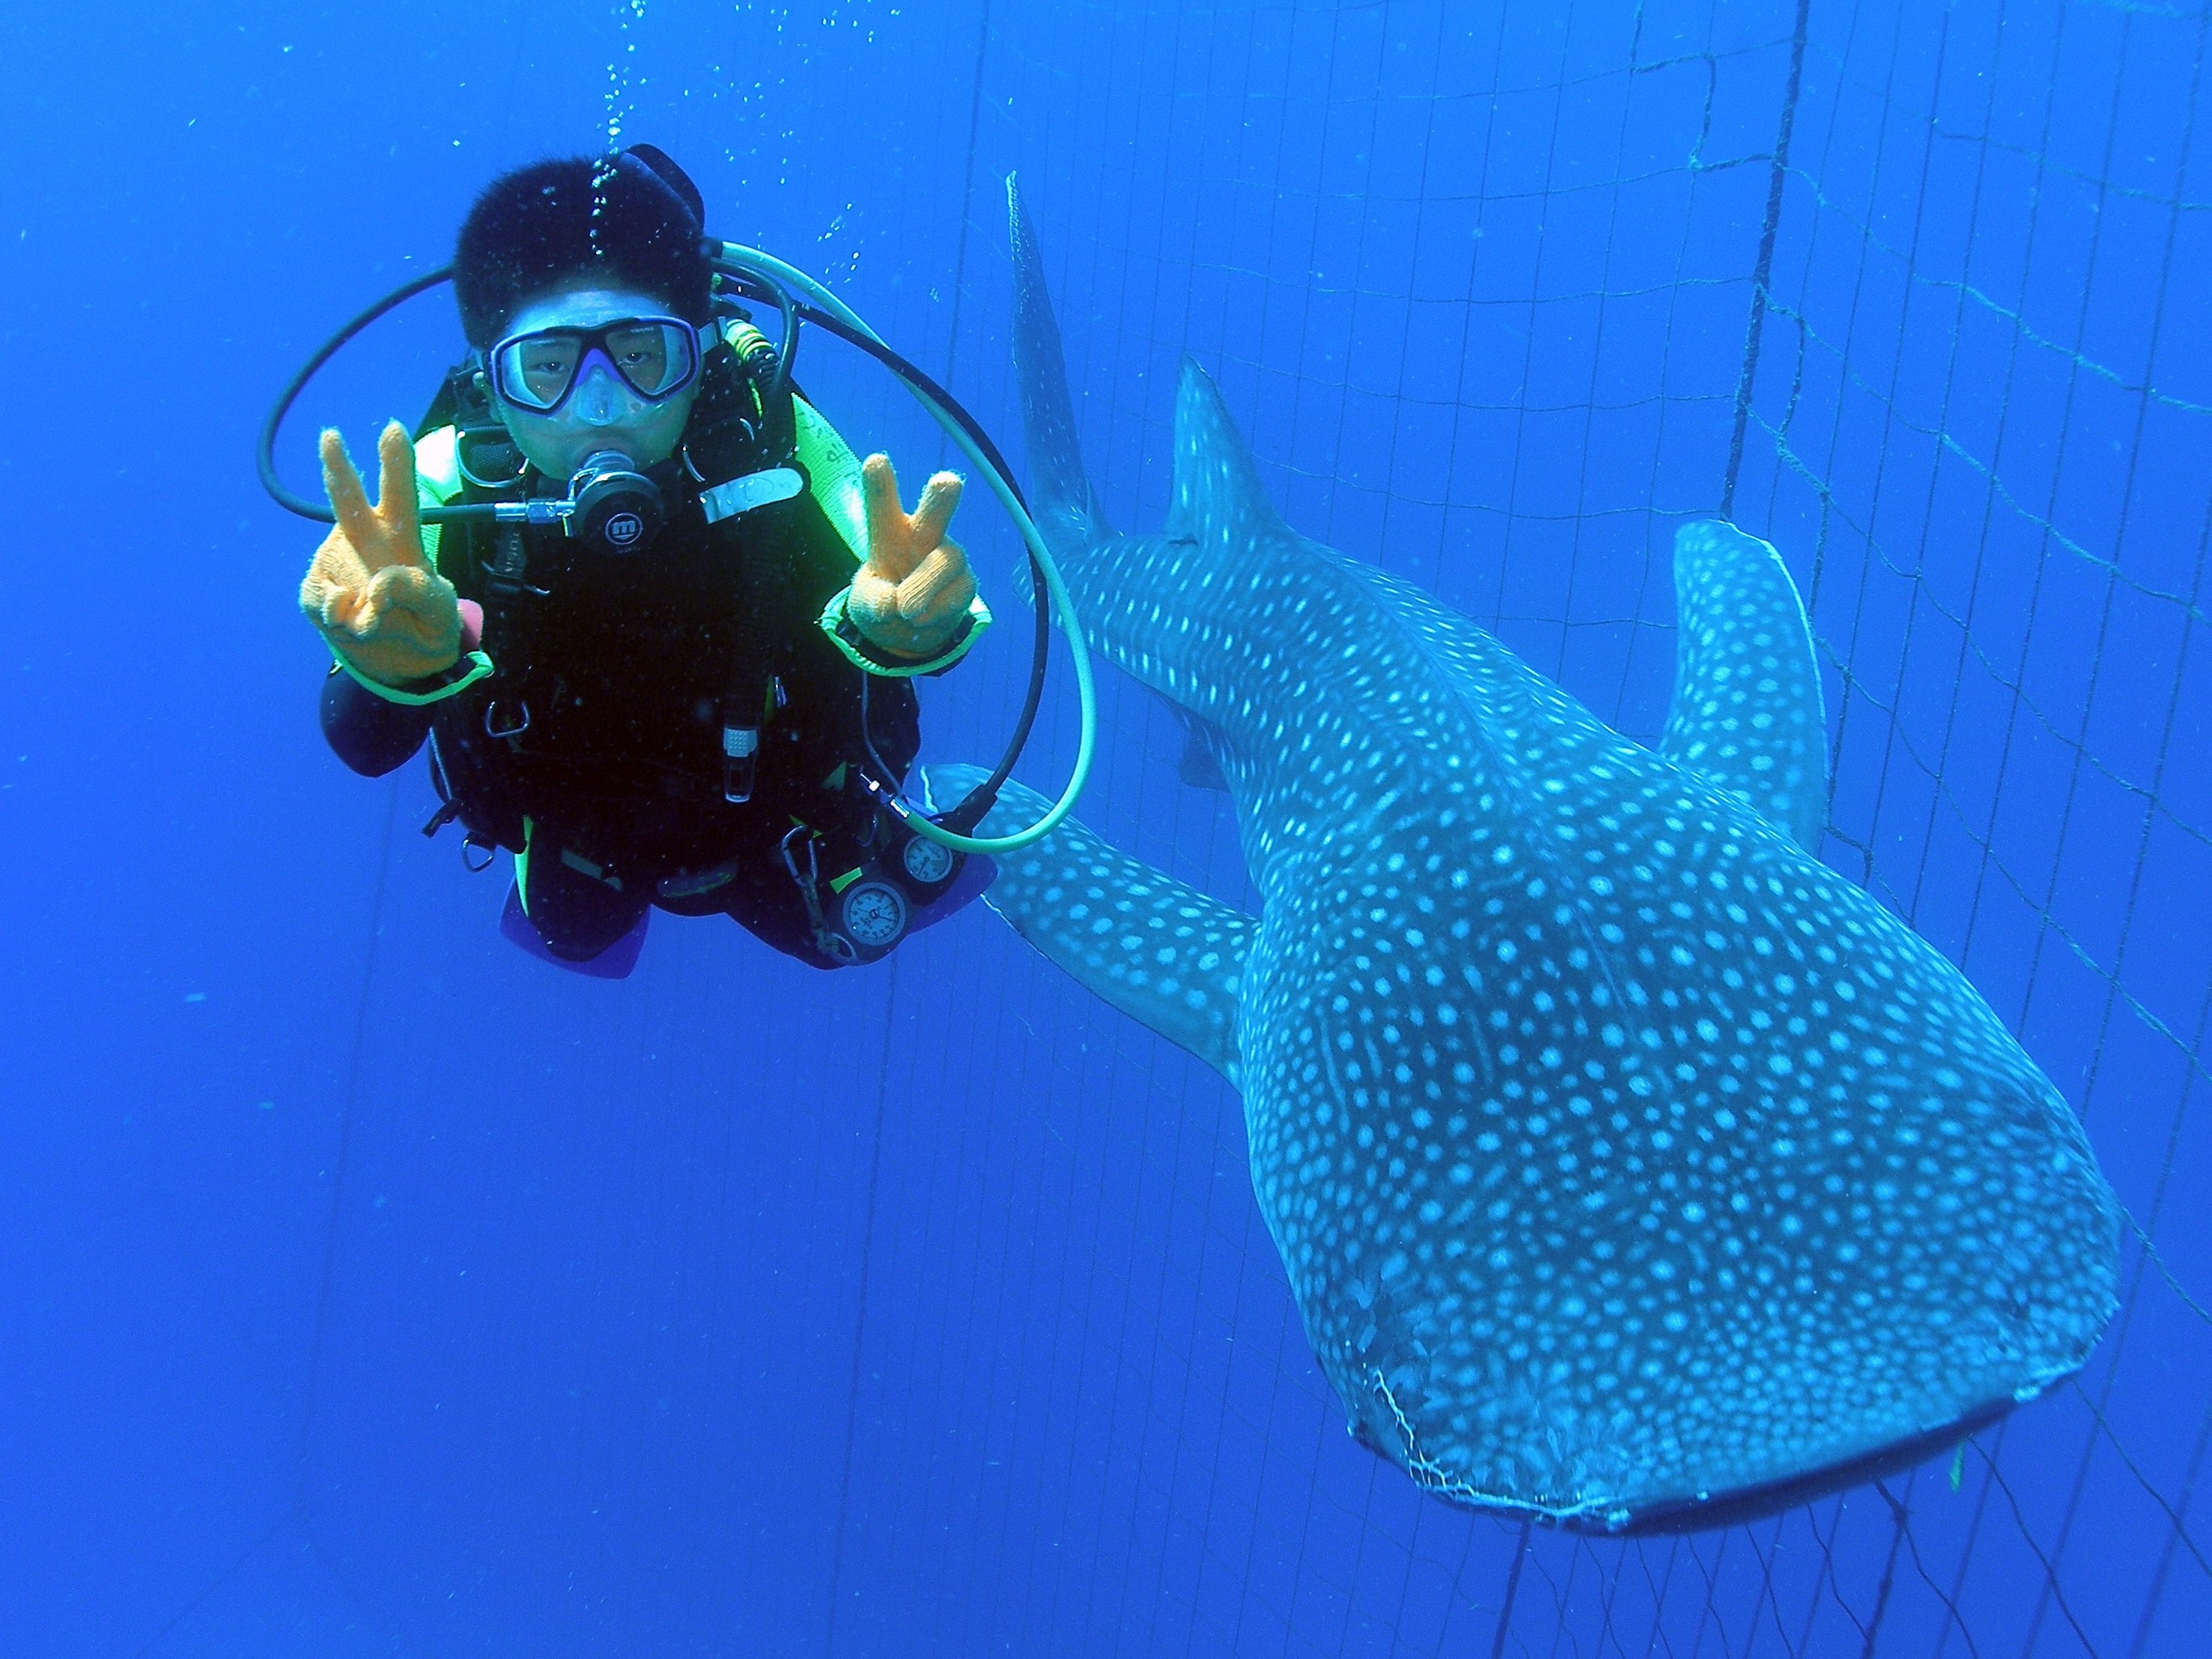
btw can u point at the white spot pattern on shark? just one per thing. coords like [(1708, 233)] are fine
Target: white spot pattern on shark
[(1631, 1169)]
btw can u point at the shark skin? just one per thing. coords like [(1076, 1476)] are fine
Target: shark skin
[(1632, 1170)]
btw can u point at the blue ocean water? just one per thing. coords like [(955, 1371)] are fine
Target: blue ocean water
[(368, 1288)]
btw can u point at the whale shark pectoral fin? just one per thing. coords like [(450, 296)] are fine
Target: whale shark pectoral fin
[(1747, 710), (1163, 953), (1199, 766)]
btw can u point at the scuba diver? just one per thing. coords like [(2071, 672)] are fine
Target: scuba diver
[(667, 684)]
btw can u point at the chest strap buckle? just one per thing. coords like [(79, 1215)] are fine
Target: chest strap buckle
[(726, 500)]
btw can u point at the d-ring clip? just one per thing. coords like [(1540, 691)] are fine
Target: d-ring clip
[(494, 728)]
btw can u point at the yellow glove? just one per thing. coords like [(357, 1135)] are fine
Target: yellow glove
[(908, 598), (376, 598)]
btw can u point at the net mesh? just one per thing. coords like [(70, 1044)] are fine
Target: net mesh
[(1500, 293)]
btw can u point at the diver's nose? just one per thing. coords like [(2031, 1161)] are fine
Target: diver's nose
[(599, 401)]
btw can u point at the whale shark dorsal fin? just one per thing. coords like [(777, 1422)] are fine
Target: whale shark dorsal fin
[(1164, 954), (1218, 501), (1748, 711)]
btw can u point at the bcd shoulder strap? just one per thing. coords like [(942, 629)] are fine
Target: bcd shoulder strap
[(742, 448), (491, 469)]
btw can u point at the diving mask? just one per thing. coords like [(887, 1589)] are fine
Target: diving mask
[(600, 375)]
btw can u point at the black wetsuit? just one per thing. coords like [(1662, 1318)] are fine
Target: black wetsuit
[(615, 785)]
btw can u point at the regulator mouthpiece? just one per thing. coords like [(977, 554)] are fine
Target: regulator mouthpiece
[(614, 507)]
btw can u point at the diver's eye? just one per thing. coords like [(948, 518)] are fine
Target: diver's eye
[(546, 371), (642, 355)]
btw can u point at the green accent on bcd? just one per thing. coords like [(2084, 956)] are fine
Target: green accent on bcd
[(584, 866), (479, 665), (522, 862)]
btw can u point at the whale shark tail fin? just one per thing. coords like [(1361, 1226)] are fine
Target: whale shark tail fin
[(1219, 502), (1066, 509)]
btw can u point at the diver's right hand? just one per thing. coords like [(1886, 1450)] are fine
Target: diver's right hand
[(371, 591)]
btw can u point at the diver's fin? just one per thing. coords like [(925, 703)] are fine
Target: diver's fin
[(1066, 510), (1163, 953), (1219, 499), (1747, 709), (616, 962), (1199, 766)]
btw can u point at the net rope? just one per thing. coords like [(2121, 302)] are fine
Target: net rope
[(1861, 186), (1501, 293)]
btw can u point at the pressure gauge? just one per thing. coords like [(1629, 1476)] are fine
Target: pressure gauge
[(926, 861), (874, 914)]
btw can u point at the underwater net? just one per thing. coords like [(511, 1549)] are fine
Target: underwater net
[(1501, 294)]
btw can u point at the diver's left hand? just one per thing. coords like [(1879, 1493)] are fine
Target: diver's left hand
[(908, 598)]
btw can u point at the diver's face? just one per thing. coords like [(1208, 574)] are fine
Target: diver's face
[(600, 411)]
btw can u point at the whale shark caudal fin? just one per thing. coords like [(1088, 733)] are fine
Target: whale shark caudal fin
[(1163, 953), (1066, 509), (1747, 712), (1218, 498)]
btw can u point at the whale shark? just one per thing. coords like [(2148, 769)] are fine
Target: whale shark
[(1631, 1169)]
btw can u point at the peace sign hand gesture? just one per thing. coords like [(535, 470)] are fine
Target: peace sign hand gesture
[(909, 597), (370, 589)]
